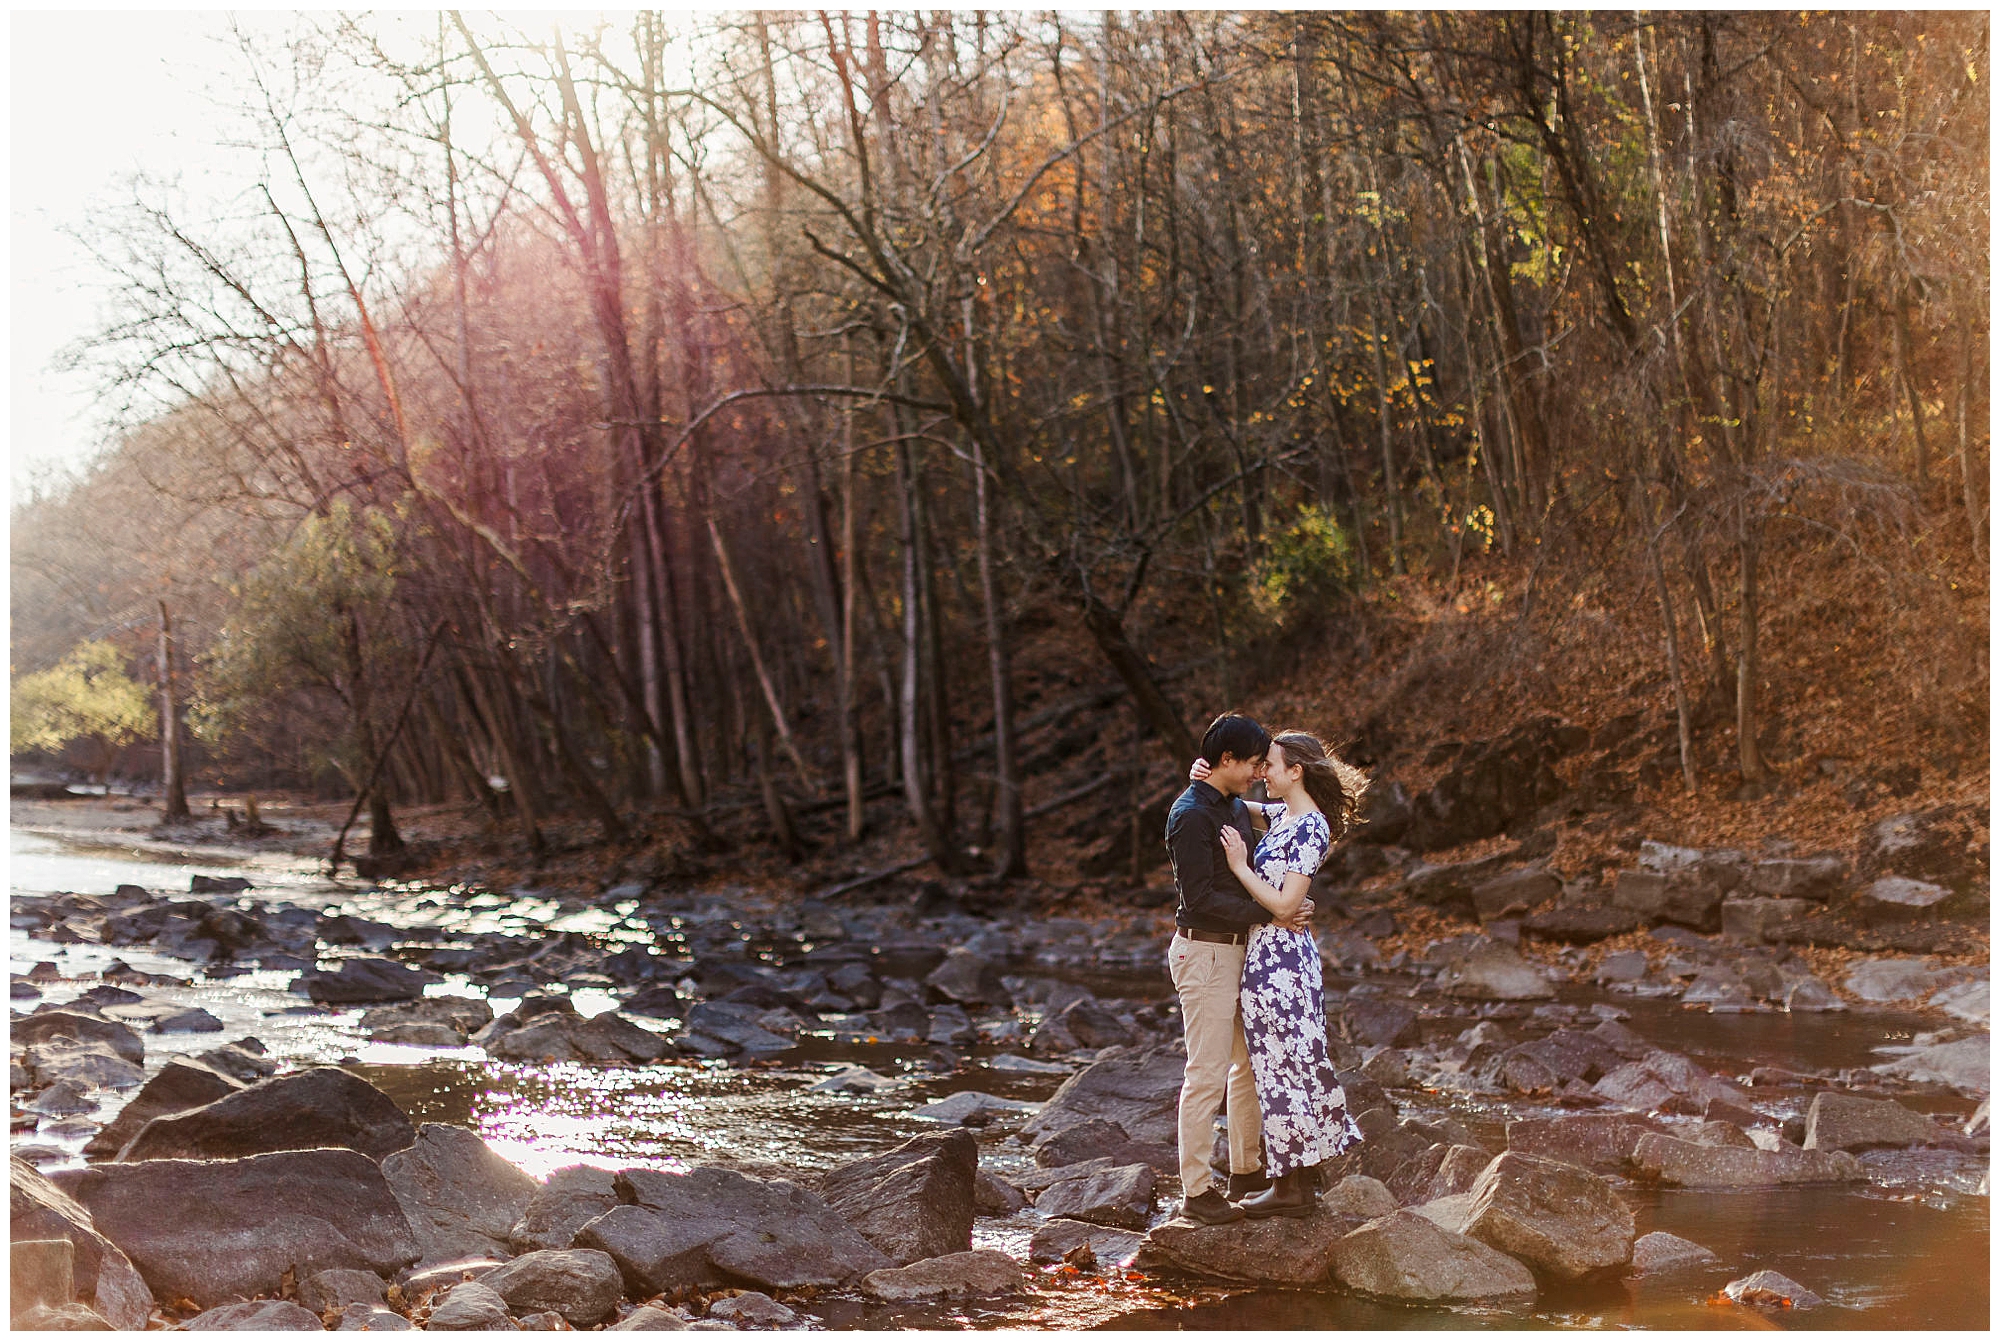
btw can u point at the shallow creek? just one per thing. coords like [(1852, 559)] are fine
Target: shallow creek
[(1908, 1250)]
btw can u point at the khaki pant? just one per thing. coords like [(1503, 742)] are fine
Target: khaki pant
[(1208, 978)]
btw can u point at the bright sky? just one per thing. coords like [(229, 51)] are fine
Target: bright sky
[(95, 97)]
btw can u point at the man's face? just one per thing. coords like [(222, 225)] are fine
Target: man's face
[(1233, 776)]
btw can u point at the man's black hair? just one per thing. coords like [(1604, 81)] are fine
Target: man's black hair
[(1234, 734)]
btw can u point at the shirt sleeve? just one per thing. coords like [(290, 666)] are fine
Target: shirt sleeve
[(1309, 848)]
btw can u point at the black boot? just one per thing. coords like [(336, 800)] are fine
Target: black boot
[(1242, 1185), (1291, 1195)]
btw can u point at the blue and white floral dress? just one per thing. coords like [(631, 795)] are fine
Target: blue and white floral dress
[(1306, 1121)]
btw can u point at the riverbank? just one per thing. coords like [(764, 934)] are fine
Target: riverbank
[(669, 1029)]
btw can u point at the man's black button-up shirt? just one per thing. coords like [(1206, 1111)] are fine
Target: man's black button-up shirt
[(1211, 897)]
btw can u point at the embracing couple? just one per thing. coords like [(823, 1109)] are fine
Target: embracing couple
[(1248, 972)]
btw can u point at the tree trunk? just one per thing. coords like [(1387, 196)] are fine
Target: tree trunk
[(844, 689), (1010, 858), (1148, 699), (1751, 759), (383, 839), (1906, 369), (173, 788)]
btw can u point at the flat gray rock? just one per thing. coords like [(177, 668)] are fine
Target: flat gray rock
[(462, 1199), (1405, 1257), (1660, 1253), (955, 1276)]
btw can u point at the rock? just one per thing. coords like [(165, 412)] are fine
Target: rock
[(1768, 1289), (1946, 845), (363, 980), (99, 1273), (180, 1085), (259, 1315), (1891, 979), (1686, 897), (194, 1020), (419, 1035), (570, 1198), (1963, 1065), (320, 1107), (1086, 1022), (1892, 898), (732, 1026), (1810, 994), (1564, 1222), (238, 1062), (582, 1285), (612, 1037), (1657, 1079), (1660, 1253), (709, 1226), (971, 1108), (416, 1282), (82, 1066), (548, 1320), (1678, 1163), (1056, 1240), (544, 1039), (336, 1289), (752, 1309), (1285, 1252), (994, 1195), (463, 1013), (1140, 1092), (461, 1198), (1968, 1001), (1816, 878), (966, 978), (1386, 1067), (1358, 1197), (470, 1306), (1764, 921), (1624, 966), (1094, 1139), (1515, 892), (1121, 1196), (956, 1276), (853, 1080), (1850, 1122), (657, 1003), (1371, 1021), (651, 1319), (48, 1025), (217, 884), (372, 1318), (41, 1272), (1495, 973), (62, 1099), (914, 1201), (218, 1230), (1580, 925), (1406, 1258)]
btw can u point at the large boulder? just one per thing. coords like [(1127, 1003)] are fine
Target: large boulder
[(1140, 1092), (358, 981), (1288, 1253), (100, 1276), (1495, 972), (578, 1283), (181, 1084), (1121, 1196), (323, 1106), (1963, 1064), (1678, 1163), (461, 1198), (566, 1201), (1564, 1222), (714, 1226), (1850, 1122), (46, 1025), (1688, 897), (954, 1276), (912, 1202), (1406, 1258), (257, 1315), (219, 1230), (1601, 1142)]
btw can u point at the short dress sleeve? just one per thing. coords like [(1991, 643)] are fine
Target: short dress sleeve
[(1309, 845), (1272, 811)]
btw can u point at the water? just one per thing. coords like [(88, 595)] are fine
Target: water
[(1909, 1255)]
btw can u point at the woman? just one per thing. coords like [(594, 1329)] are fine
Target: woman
[(1315, 799)]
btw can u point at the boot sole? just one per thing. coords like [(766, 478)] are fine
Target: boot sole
[(1277, 1212)]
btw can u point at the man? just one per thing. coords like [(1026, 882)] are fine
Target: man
[(1212, 931)]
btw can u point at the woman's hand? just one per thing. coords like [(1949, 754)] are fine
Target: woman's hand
[(1234, 850), (1199, 770)]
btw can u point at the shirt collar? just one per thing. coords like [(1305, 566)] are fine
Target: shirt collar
[(1207, 795)]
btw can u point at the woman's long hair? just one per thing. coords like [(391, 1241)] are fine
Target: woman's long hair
[(1335, 785)]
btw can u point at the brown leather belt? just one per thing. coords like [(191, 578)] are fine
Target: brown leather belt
[(1214, 937)]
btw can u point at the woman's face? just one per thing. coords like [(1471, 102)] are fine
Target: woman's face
[(1279, 776)]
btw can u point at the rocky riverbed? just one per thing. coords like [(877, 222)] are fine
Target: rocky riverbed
[(662, 1108)]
